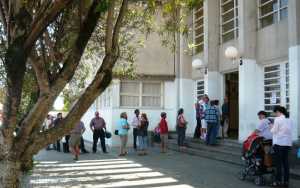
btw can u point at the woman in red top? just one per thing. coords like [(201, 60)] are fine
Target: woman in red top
[(163, 126)]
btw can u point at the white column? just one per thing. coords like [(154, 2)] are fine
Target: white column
[(250, 96), (294, 68), (294, 63), (214, 85)]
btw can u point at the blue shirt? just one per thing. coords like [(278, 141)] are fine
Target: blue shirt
[(120, 124), (212, 115)]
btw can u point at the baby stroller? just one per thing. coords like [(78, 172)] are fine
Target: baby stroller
[(257, 154)]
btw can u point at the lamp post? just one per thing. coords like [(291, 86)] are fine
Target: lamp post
[(232, 53)]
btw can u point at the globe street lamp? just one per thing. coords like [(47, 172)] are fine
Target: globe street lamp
[(232, 53), (198, 64)]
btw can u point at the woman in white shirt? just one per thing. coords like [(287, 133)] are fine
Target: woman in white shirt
[(282, 142)]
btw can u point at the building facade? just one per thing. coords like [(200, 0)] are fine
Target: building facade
[(266, 34)]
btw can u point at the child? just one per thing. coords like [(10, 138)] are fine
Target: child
[(163, 127)]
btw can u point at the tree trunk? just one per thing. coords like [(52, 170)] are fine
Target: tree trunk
[(10, 173)]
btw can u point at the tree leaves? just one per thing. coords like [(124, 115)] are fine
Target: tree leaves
[(103, 6)]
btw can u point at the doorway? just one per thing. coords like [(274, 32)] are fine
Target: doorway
[(232, 93)]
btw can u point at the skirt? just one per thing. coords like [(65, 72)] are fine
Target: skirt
[(75, 140)]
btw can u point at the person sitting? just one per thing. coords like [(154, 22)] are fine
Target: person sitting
[(263, 127)]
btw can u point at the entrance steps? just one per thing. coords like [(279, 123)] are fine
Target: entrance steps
[(227, 150)]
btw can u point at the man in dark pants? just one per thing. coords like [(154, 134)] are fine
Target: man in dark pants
[(82, 147), (135, 123), (98, 126), (56, 123), (197, 132)]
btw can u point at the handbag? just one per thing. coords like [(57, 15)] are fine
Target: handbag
[(107, 135), (116, 132)]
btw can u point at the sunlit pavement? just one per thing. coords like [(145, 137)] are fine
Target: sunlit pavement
[(172, 170)]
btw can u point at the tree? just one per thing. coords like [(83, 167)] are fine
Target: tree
[(42, 43)]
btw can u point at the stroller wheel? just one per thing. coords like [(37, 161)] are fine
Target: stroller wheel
[(242, 175), (259, 180)]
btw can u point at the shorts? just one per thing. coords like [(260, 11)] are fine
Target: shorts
[(203, 124), (164, 138), (75, 140)]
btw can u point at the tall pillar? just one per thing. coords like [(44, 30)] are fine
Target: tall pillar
[(184, 81), (213, 78), (250, 89), (294, 63)]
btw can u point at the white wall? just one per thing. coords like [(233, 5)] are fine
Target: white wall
[(112, 114)]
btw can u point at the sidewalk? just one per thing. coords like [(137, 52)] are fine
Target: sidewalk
[(171, 170)]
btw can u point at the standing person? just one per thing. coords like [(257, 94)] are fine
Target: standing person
[(181, 128), (135, 123), (56, 122), (75, 138), (82, 147), (212, 120), (263, 127), (48, 123), (218, 127), (203, 107), (142, 134), (225, 117), (197, 133), (98, 127), (123, 127), (164, 132), (282, 142)]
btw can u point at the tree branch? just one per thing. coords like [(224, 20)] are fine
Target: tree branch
[(109, 27), (41, 22), (44, 103), (72, 61), (3, 17), (101, 81), (40, 73)]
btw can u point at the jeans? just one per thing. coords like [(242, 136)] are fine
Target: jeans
[(211, 133), (282, 163), (143, 142), (181, 135), (135, 131), (99, 133)]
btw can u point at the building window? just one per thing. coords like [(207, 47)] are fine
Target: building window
[(199, 28), (272, 11), (199, 88), (276, 86), (141, 94), (105, 99), (229, 20)]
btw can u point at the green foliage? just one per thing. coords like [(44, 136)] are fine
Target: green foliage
[(103, 6)]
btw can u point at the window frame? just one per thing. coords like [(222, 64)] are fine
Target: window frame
[(201, 90), (195, 27), (140, 94), (277, 11), (235, 20), (284, 89)]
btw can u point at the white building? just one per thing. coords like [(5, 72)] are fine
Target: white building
[(266, 34)]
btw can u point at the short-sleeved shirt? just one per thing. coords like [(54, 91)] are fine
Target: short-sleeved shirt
[(163, 126), (282, 131), (136, 122), (79, 127), (98, 123), (264, 129), (120, 124)]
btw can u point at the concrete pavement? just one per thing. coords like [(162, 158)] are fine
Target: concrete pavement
[(171, 170)]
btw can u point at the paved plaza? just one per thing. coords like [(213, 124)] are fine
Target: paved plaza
[(172, 170)]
